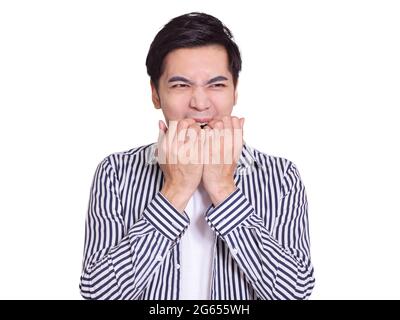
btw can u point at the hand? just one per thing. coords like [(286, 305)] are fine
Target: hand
[(178, 147), (224, 141)]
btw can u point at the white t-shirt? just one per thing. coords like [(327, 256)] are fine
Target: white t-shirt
[(197, 246)]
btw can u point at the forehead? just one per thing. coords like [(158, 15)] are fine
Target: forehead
[(197, 61)]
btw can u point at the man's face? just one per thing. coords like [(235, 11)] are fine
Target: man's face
[(196, 83)]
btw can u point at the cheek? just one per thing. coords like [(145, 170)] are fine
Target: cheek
[(175, 104), (222, 102)]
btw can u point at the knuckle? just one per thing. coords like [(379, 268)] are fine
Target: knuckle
[(181, 125), (192, 130)]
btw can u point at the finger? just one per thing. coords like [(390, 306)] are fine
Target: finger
[(237, 139), (182, 128), (190, 121), (194, 135), (229, 125), (236, 123), (201, 147), (181, 132), (160, 151), (207, 144), (195, 128), (219, 125), (217, 152), (227, 139), (184, 124), (213, 123), (172, 128), (242, 125), (227, 122), (187, 152)]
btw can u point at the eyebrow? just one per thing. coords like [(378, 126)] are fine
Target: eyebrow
[(183, 79), (217, 79)]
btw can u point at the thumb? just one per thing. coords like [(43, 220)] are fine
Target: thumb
[(160, 153), (162, 126), (162, 130)]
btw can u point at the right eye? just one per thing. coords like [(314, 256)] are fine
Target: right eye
[(180, 85)]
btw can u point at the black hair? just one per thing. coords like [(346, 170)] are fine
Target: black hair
[(187, 31)]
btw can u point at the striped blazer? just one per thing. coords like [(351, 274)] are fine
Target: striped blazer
[(132, 233)]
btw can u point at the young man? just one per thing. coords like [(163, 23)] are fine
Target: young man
[(200, 214)]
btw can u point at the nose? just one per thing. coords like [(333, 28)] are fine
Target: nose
[(199, 99)]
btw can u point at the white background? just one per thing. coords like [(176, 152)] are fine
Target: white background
[(320, 86)]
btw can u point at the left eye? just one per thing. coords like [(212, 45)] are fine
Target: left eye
[(218, 85), (180, 85)]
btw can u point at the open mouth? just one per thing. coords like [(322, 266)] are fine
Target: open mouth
[(202, 122), (202, 125)]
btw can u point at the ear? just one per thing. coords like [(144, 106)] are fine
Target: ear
[(154, 96), (236, 94)]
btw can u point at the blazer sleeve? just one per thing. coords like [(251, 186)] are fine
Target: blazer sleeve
[(118, 262), (276, 262)]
